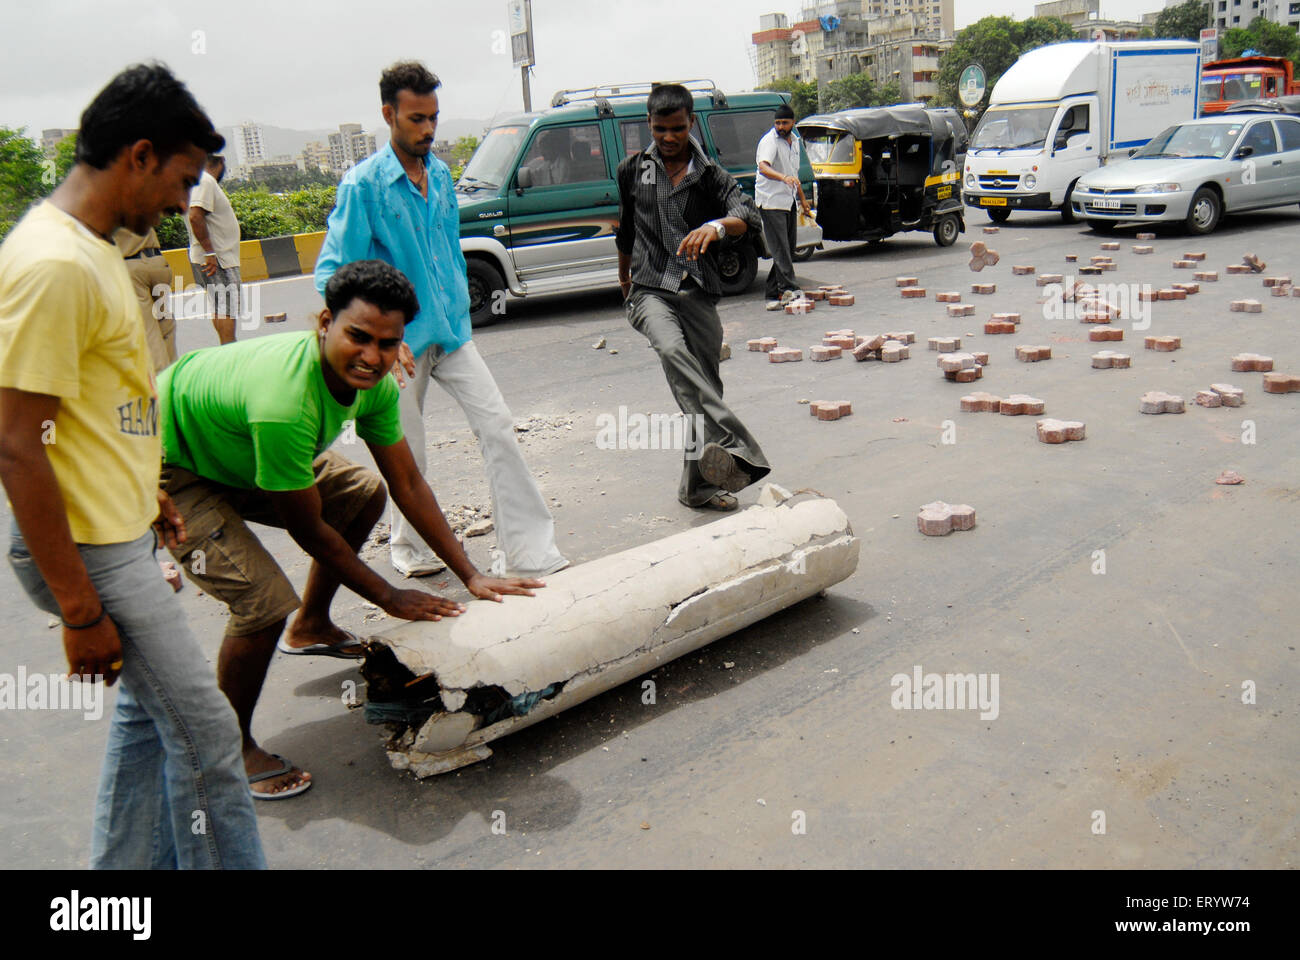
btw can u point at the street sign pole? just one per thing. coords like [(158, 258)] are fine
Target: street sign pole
[(520, 13), (528, 94)]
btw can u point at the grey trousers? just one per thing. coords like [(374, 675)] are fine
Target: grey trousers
[(685, 331), (779, 233)]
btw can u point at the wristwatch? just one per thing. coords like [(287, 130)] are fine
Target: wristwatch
[(720, 227)]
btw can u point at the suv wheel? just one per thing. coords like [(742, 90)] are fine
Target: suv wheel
[(737, 268), (487, 288)]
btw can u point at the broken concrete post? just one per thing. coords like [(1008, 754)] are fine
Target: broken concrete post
[(449, 688)]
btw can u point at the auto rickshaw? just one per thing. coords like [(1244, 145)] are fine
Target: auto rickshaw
[(882, 170)]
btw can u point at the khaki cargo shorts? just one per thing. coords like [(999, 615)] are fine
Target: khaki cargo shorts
[(223, 557)]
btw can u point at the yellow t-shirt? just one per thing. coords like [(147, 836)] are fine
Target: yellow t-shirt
[(70, 328)]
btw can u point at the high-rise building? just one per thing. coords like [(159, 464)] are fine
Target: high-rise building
[(1086, 19), (936, 15), (349, 146), (1229, 14), (316, 154), (247, 146)]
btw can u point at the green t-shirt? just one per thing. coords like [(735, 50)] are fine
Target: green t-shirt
[(255, 414)]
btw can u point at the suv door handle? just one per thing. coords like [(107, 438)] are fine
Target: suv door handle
[(499, 230), (1277, 163)]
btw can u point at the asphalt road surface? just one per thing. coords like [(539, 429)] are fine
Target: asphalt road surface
[(1121, 738)]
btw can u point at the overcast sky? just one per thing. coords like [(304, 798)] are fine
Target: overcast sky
[(315, 65)]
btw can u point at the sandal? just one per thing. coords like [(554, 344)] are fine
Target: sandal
[(723, 502)]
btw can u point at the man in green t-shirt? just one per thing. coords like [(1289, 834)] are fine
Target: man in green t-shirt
[(245, 430)]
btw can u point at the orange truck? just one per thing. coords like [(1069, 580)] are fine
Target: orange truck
[(1245, 78)]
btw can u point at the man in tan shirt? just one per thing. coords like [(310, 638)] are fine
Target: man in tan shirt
[(149, 272)]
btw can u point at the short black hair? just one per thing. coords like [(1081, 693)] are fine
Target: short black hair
[(667, 98), (407, 75), (143, 102), (375, 282), (784, 112)]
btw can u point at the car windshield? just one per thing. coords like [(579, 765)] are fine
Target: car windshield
[(1210, 89), (828, 146), (490, 165), (1206, 140), (1010, 128), (1245, 86)]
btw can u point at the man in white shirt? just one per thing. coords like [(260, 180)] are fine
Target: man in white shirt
[(214, 247), (775, 190)]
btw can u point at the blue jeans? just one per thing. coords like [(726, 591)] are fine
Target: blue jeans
[(173, 792)]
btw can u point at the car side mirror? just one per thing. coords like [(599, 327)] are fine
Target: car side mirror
[(524, 178), (1244, 152)]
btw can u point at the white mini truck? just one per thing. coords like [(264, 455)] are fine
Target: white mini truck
[(1063, 110)]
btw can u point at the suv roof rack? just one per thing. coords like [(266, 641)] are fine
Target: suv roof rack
[(602, 93)]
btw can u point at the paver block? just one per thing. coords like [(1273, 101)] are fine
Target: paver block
[(1031, 354), (1185, 264), (815, 294), (939, 519), (841, 299), (1060, 431), (1247, 306), (1251, 363), (822, 353), (1156, 402), (992, 230), (1172, 293), (1187, 288), (999, 326), (1207, 276), (1071, 258), (961, 310), (1110, 360), (1097, 261), (893, 351), (980, 403), (1020, 405), (1281, 383), (1142, 249), (1195, 255), (1146, 236), (1281, 290), (1022, 270), (945, 344), (724, 353), (762, 344), (965, 376), (1146, 295), (1256, 265), (276, 317), (1105, 334), (1163, 344), (1230, 395), (981, 357), (1277, 281), (1230, 478), (1091, 271), (981, 256), (841, 342), (1238, 268), (905, 281), (948, 297), (913, 293), (984, 289), (1110, 245), (799, 307), (1046, 279), (952, 362), (869, 349), (784, 355), (1007, 317), (906, 336), (1208, 398)]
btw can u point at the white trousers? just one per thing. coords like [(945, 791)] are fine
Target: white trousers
[(524, 527)]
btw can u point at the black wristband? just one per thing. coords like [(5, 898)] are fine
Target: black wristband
[(85, 626)]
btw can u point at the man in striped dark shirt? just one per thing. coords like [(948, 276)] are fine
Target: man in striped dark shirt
[(675, 206)]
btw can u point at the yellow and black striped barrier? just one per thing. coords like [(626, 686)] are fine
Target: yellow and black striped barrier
[(267, 259)]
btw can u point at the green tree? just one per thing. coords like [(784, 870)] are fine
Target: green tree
[(995, 43), (172, 234), (25, 176), (848, 93), (803, 96), (65, 156), (1269, 38), (1183, 22)]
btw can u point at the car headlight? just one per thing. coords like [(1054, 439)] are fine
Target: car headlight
[(1030, 181), (971, 180), (1159, 188)]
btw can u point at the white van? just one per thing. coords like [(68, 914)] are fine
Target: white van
[(1068, 108)]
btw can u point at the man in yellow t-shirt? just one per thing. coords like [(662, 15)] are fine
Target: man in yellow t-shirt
[(80, 456)]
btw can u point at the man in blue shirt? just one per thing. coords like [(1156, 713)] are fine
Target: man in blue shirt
[(399, 206)]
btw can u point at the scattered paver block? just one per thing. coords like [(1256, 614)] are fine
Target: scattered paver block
[(1281, 383), (1007, 317), (830, 409), (913, 293), (905, 281), (1163, 344), (948, 297), (840, 341), (1247, 306), (1060, 431), (1022, 270), (800, 307), (952, 362), (1079, 291), (841, 299), (1156, 402), (984, 289), (1277, 281), (1110, 360), (992, 230), (1108, 266), (945, 344), (1098, 260), (965, 376), (894, 351), (999, 326), (1238, 268), (1142, 249), (1256, 265), (1208, 398), (1091, 271), (1195, 255), (981, 357), (815, 294), (1071, 258), (1110, 245), (762, 344), (980, 403), (906, 336), (1187, 288), (1171, 293), (1098, 311), (784, 355), (1147, 295), (1146, 236), (1230, 478), (1021, 405), (939, 519), (1281, 290), (1230, 395), (849, 334), (1207, 276), (1031, 354), (961, 310), (276, 317), (981, 256), (822, 353), (1045, 279), (725, 352), (1185, 264), (869, 349), (1251, 363), (1105, 334), (1295, 291)]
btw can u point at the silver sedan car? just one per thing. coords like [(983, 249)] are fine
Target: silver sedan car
[(1195, 172)]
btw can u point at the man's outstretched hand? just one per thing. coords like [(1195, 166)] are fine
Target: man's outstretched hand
[(405, 361), (491, 588), (418, 605)]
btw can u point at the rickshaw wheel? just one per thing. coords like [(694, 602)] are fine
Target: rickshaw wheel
[(946, 229)]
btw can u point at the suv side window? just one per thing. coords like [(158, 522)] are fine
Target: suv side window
[(1290, 130), (736, 135), (567, 155), (1261, 137), (636, 135)]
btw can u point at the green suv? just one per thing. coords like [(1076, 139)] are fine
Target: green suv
[(539, 205)]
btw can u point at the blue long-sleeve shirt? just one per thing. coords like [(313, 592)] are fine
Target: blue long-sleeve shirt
[(380, 215)]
